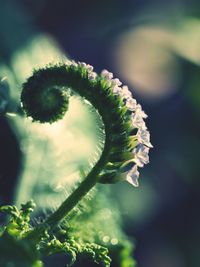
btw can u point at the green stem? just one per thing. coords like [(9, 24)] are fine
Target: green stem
[(74, 198), (86, 185)]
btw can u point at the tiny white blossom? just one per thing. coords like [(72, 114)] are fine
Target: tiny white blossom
[(141, 112), (143, 136), (137, 121), (141, 155), (126, 93), (116, 82), (117, 90), (89, 68), (132, 176), (131, 104), (86, 66), (92, 75), (82, 64), (106, 74)]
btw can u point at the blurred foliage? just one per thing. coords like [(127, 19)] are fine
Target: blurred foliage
[(89, 233), (15, 251)]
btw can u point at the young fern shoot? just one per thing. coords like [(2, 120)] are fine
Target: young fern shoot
[(45, 98)]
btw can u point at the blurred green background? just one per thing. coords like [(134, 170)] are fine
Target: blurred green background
[(154, 48)]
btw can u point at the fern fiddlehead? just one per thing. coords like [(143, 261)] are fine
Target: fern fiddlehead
[(45, 97)]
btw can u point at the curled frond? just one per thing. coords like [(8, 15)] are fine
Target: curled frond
[(45, 98)]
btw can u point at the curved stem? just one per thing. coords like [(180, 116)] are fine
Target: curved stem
[(86, 185), (76, 196)]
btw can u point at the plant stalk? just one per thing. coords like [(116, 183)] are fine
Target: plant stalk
[(85, 186)]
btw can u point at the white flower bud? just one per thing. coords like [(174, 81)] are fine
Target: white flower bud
[(132, 176), (141, 155)]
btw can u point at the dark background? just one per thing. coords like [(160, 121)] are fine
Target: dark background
[(167, 228)]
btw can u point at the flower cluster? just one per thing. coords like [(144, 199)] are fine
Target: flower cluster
[(89, 68), (141, 151)]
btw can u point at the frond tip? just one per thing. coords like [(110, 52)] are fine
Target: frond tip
[(44, 104), (45, 98)]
